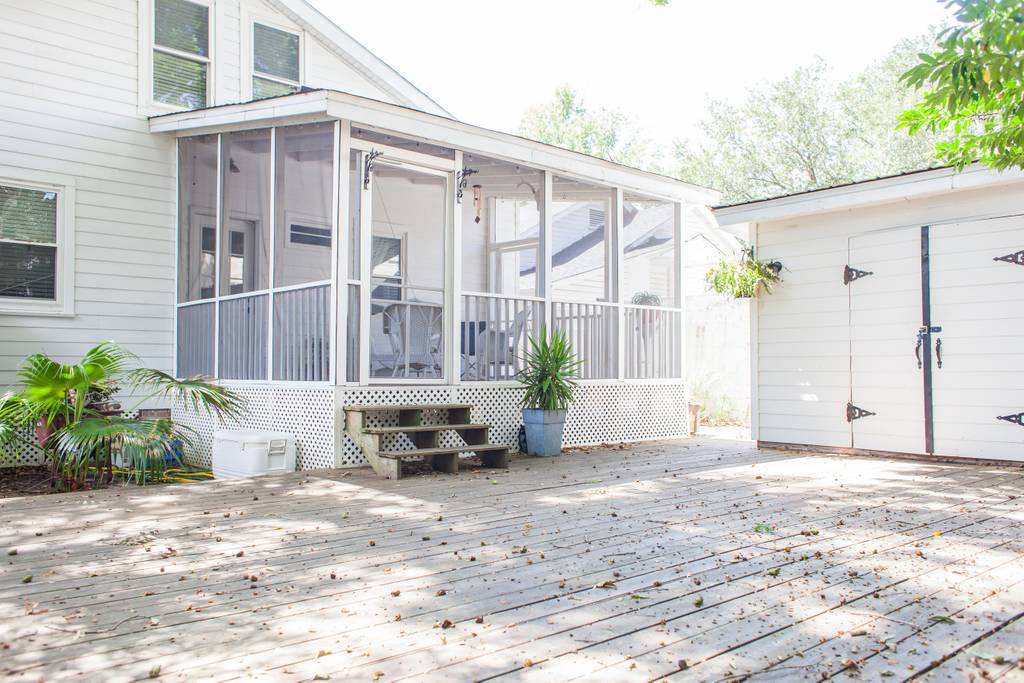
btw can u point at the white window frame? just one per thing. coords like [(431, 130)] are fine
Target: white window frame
[(147, 45), (64, 266), (249, 53)]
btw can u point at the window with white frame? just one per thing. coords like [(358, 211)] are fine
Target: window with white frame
[(30, 241), (275, 61), (181, 53)]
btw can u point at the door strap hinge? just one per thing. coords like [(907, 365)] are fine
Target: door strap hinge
[(855, 413), (1016, 257), (1017, 419), (851, 274)]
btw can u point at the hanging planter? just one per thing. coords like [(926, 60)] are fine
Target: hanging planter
[(745, 277)]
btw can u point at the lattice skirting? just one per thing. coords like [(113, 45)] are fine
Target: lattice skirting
[(610, 412), (306, 412), (22, 451)]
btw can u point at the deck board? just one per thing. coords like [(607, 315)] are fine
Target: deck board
[(727, 558)]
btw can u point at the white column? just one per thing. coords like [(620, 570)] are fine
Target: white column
[(271, 273), (217, 255), (337, 252), (546, 246), (453, 280), (618, 246), (677, 233)]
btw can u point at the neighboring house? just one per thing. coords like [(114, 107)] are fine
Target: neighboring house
[(238, 188), (898, 327)]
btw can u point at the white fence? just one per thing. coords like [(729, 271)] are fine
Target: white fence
[(494, 334)]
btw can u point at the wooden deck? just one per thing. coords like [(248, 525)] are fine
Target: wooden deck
[(685, 560)]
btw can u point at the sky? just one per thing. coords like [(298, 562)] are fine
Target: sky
[(487, 61)]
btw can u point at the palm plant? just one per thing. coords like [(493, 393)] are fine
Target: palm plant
[(75, 424), (548, 370)]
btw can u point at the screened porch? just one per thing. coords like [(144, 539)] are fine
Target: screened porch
[(321, 249)]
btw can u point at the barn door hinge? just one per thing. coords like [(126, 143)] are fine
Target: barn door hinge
[(851, 274), (368, 167), (855, 413), (1017, 419), (1016, 257)]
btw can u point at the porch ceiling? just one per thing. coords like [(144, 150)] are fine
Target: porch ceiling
[(319, 105)]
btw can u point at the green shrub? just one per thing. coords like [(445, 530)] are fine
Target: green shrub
[(743, 278)]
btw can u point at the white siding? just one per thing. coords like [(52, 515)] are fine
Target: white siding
[(803, 351), (68, 80)]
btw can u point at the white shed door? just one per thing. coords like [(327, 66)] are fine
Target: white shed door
[(885, 315), (978, 301)]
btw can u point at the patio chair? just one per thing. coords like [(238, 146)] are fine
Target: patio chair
[(414, 332), (494, 352)]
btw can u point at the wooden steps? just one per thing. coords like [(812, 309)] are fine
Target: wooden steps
[(425, 438)]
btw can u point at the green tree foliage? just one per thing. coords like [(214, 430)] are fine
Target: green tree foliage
[(565, 121), (973, 86), (806, 131)]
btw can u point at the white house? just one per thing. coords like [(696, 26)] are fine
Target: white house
[(237, 188), (898, 327)]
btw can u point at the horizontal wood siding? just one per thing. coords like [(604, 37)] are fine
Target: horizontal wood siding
[(68, 106), (803, 333)]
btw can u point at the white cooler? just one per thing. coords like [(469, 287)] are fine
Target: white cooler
[(241, 454)]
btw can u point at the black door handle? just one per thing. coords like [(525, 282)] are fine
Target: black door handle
[(917, 349), (938, 350)]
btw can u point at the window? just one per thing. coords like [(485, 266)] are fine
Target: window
[(181, 53), (309, 234), (31, 249), (275, 61)]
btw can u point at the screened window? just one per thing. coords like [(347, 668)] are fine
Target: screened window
[(28, 243), (181, 53), (275, 61)]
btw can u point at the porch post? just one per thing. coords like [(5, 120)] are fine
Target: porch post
[(546, 247), (341, 236), (679, 221), (453, 281), (337, 250), (617, 291)]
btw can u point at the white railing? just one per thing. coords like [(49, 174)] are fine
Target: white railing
[(494, 334), (302, 334), (652, 343), (243, 337), (195, 341), (591, 330)]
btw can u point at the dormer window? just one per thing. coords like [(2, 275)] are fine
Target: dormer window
[(275, 61), (181, 53)]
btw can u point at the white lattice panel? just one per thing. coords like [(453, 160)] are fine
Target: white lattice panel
[(603, 413), (306, 412), (22, 451)]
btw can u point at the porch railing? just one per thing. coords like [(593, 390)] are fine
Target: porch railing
[(195, 339), (591, 329), (243, 337), (494, 334), (652, 340), (302, 334)]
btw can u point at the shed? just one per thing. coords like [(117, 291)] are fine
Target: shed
[(898, 327)]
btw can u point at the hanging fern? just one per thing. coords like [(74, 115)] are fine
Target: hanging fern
[(744, 278)]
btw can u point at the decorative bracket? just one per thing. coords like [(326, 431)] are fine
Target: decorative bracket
[(1016, 257), (855, 413), (462, 182), (368, 167), (1017, 419), (851, 274)]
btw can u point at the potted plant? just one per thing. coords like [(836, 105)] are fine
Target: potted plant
[(548, 369), (80, 428), (744, 278)]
